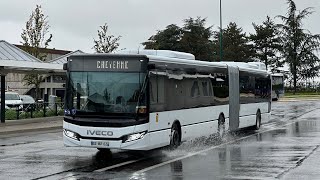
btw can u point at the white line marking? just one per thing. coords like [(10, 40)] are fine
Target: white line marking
[(118, 165), (214, 147)]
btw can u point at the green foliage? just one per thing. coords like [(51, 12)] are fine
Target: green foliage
[(299, 45), (267, 43), (193, 38), (106, 43), (35, 80), (236, 45), (34, 37), (168, 39), (196, 39), (11, 114)]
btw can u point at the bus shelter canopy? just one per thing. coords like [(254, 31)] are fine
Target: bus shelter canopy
[(15, 60)]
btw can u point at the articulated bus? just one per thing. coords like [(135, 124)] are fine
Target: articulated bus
[(277, 86), (159, 98)]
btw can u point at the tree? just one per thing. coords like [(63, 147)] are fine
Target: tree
[(167, 39), (35, 36), (236, 45), (299, 45), (267, 43), (193, 38), (106, 43), (196, 39)]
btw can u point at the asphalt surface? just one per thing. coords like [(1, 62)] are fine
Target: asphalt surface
[(287, 147)]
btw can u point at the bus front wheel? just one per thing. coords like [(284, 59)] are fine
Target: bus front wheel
[(175, 137)]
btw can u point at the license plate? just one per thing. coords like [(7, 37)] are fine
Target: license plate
[(99, 143)]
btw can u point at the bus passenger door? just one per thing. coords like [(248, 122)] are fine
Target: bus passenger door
[(234, 97)]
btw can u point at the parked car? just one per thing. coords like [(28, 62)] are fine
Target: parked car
[(12, 100), (27, 102)]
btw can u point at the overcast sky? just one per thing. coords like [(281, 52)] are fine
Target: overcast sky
[(74, 23)]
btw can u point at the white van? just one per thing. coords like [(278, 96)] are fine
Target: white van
[(12, 100)]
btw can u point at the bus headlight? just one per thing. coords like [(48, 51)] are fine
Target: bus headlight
[(67, 112), (133, 137), (71, 134)]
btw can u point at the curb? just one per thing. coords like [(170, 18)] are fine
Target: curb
[(30, 130), (31, 125), (296, 99)]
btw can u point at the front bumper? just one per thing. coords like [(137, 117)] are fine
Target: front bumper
[(114, 142)]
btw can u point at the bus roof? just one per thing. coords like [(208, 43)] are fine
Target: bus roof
[(276, 74), (174, 57)]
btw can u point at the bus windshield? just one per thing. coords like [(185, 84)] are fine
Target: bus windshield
[(277, 83), (106, 92)]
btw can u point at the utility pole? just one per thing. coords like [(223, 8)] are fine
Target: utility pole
[(221, 48)]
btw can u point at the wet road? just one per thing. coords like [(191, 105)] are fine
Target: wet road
[(283, 148)]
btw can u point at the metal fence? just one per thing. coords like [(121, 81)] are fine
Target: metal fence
[(35, 110)]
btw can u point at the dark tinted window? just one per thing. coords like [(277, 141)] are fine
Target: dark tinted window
[(254, 88), (156, 91), (220, 86), (263, 89), (181, 90), (205, 88), (195, 91), (247, 89)]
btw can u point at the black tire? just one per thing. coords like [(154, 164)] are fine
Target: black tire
[(258, 121), (221, 126), (175, 137), (104, 150), (103, 156)]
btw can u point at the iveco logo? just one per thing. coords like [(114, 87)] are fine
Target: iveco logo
[(99, 133)]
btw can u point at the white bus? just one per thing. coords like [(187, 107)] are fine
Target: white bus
[(277, 86), (159, 98)]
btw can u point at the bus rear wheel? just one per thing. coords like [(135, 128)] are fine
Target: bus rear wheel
[(175, 137), (258, 121), (221, 126)]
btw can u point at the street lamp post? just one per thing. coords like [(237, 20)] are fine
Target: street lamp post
[(221, 49)]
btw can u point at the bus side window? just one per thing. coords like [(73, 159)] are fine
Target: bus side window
[(205, 88), (160, 89), (210, 89), (195, 91), (153, 90), (156, 91), (220, 85)]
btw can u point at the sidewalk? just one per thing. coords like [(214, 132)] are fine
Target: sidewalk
[(284, 99), (308, 169), (29, 125)]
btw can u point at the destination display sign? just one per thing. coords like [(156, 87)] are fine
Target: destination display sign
[(106, 64), (113, 65)]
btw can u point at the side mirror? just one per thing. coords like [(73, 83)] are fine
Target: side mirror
[(65, 66), (151, 66)]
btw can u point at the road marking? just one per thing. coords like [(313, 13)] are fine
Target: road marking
[(214, 147), (118, 165)]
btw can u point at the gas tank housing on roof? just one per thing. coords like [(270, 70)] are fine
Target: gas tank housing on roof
[(162, 53)]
